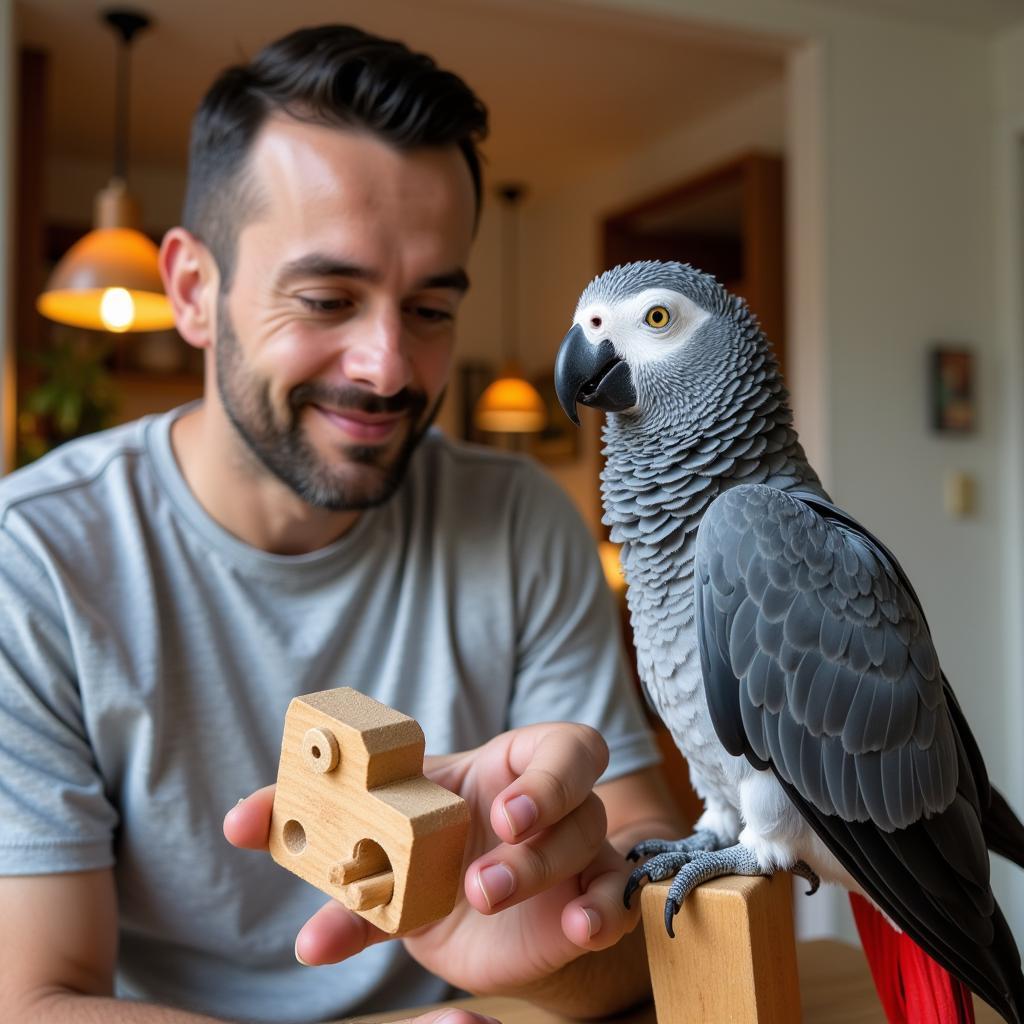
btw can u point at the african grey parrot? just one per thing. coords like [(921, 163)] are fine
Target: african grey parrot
[(782, 644)]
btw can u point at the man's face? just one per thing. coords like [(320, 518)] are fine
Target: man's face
[(334, 339)]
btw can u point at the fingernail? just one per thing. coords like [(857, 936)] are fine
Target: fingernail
[(497, 883), (520, 813), (299, 958), (240, 802), (593, 922)]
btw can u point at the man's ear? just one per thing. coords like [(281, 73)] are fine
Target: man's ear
[(191, 281)]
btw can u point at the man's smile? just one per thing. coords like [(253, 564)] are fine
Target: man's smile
[(362, 427)]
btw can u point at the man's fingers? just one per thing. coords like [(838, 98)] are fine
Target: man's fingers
[(332, 934), (557, 766), (247, 824), (509, 874), (599, 918)]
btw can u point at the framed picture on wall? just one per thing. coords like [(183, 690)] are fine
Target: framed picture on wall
[(951, 374)]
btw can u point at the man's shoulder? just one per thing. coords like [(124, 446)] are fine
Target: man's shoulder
[(70, 474)]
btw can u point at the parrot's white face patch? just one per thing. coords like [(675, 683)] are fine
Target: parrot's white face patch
[(644, 328)]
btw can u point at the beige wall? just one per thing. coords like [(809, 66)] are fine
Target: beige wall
[(1008, 206)]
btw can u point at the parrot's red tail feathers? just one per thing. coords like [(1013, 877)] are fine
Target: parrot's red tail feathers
[(912, 987)]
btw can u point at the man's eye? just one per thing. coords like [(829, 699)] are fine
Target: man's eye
[(430, 314), (322, 305)]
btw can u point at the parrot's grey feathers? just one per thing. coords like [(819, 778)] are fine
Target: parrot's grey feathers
[(868, 740), (773, 633), (788, 641)]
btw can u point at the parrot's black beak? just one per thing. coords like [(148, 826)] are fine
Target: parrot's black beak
[(591, 375)]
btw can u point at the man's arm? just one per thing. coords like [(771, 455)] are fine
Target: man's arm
[(639, 806), (59, 937)]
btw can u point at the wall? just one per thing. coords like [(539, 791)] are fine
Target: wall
[(1008, 202)]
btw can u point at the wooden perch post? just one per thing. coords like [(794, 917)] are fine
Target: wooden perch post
[(354, 816), (733, 960)]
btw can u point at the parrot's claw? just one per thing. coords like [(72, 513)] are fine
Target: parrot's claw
[(804, 870), (702, 839), (671, 909)]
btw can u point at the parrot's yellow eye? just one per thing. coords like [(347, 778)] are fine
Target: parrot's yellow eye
[(657, 316)]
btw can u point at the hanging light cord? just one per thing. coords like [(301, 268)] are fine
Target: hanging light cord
[(121, 111), (127, 24), (511, 194)]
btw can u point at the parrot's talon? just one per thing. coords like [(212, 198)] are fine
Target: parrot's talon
[(671, 909), (634, 883), (803, 870)]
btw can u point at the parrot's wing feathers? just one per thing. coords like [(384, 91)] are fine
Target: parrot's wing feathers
[(818, 664), (812, 646)]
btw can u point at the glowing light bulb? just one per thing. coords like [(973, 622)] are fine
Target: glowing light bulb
[(117, 309)]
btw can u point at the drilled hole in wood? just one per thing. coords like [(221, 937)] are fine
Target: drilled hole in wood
[(294, 836), (366, 880), (320, 750)]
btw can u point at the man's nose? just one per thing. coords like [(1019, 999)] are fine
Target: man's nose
[(376, 356)]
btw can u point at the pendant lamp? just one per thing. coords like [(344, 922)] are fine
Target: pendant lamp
[(511, 405), (109, 280)]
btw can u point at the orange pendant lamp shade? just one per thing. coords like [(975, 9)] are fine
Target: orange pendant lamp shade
[(110, 280), (511, 405)]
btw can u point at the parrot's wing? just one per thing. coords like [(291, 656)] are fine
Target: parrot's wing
[(819, 665)]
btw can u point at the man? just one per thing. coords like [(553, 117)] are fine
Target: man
[(168, 586)]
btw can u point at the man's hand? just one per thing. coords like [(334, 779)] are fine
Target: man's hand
[(542, 884)]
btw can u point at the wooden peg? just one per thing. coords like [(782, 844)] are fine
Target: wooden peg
[(354, 816), (734, 955)]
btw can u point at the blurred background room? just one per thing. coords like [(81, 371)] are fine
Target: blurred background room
[(854, 168)]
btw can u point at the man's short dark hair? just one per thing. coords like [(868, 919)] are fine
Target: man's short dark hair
[(332, 75)]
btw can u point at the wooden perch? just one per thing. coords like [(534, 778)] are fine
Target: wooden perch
[(733, 960)]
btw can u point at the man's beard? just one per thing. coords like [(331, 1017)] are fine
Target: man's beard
[(369, 475)]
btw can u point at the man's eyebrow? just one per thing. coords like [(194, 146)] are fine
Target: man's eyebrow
[(318, 265), (456, 279)]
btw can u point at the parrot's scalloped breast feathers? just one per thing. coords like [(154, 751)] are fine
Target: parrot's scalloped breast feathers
[(632, 278)]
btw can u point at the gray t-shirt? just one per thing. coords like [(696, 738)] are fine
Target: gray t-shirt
[(147, 658)]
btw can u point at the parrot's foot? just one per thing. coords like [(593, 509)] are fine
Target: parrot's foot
[(733, 860), (694, 867), (702, 839)]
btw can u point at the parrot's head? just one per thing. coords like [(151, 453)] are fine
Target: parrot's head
[(661, 344)]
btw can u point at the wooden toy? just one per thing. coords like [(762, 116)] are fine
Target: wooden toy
[(354, 816)]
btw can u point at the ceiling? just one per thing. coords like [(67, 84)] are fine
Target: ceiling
[(566, 88), (568, 85)]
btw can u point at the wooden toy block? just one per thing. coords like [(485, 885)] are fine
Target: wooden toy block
[(354, 816), (734, 955)]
